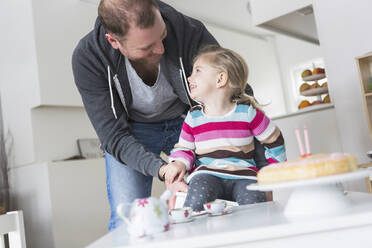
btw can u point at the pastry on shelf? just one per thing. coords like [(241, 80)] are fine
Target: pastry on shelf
[(314, 85), (304, 86), (306, 73), (324, 84), (318, 70), (326, 99), (303, 104), (316, 102)]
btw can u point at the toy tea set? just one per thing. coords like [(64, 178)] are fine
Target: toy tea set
[(150, 215)]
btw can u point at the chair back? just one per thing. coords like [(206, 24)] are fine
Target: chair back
[(12, 224)]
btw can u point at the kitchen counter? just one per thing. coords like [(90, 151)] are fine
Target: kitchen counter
[(318, 107), (261, 225)]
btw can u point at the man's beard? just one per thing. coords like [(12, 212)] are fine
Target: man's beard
[(148, 61)]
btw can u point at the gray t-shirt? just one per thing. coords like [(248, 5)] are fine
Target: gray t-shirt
[(152, 103)]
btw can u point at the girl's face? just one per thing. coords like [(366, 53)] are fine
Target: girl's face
[(203, 79)]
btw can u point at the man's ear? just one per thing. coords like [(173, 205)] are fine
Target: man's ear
[(222, 79), (112, 40)]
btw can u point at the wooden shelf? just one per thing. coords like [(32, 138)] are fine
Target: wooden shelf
[(365, 165), (364, 56), (364, 64)]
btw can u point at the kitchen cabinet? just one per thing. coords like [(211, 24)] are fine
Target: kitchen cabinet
[(64, 203), (294, 18), (37, 63)]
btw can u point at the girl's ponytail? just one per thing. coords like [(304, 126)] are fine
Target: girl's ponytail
[(244, 98)]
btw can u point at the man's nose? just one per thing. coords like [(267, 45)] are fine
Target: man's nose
[(159, 48)]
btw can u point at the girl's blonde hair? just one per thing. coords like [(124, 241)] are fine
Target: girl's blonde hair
[(228, 61)]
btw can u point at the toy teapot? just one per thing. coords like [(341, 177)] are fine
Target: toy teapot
[(147, 216)]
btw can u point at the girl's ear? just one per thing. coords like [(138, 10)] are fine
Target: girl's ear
[(222, 80)]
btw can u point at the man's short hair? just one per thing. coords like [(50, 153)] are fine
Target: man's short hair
[(118, 15)]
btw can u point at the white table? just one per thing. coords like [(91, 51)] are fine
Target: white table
[(261, 225)]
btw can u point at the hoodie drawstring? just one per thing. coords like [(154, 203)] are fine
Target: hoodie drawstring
[(120, 92), (111, 95), (184, 80)]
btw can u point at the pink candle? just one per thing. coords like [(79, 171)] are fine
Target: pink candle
[(307, 142), (299, 141)]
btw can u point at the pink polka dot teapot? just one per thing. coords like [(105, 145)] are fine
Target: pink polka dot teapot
[(147, 216)]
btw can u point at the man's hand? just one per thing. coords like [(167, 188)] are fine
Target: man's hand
[(174, 188), (174, 171)]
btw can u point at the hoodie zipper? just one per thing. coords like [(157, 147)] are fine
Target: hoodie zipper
[(119, 90)]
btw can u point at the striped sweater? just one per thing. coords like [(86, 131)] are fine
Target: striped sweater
[(223, 146)]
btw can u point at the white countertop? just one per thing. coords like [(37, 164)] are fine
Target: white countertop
[(260, 224), (306, 110)]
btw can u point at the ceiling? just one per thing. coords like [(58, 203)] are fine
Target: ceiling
[(233, 14)]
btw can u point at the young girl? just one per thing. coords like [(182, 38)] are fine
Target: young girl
[(216, 142)]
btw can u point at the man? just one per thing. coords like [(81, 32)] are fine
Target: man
[(127, 71)]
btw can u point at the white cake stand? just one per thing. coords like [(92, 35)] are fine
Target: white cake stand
[(320, 196)]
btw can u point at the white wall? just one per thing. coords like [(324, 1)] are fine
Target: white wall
[(344, 33), (324, 136), (19, 86), (259, 54)]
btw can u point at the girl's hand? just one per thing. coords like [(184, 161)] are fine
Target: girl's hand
[(174, 188), (174, 171)]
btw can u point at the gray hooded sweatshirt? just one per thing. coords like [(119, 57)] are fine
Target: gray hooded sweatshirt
[(101, 78)]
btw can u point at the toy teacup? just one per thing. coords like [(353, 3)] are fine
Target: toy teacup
[(215, 208), (179, 215)]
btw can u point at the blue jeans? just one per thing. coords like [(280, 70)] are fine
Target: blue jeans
[(125, 184)]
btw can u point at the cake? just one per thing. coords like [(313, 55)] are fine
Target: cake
[(317, 165), (304, 86), (303, 104), (316, 102), (306, 73), (318, 71), (314, 85), (327, 99)]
